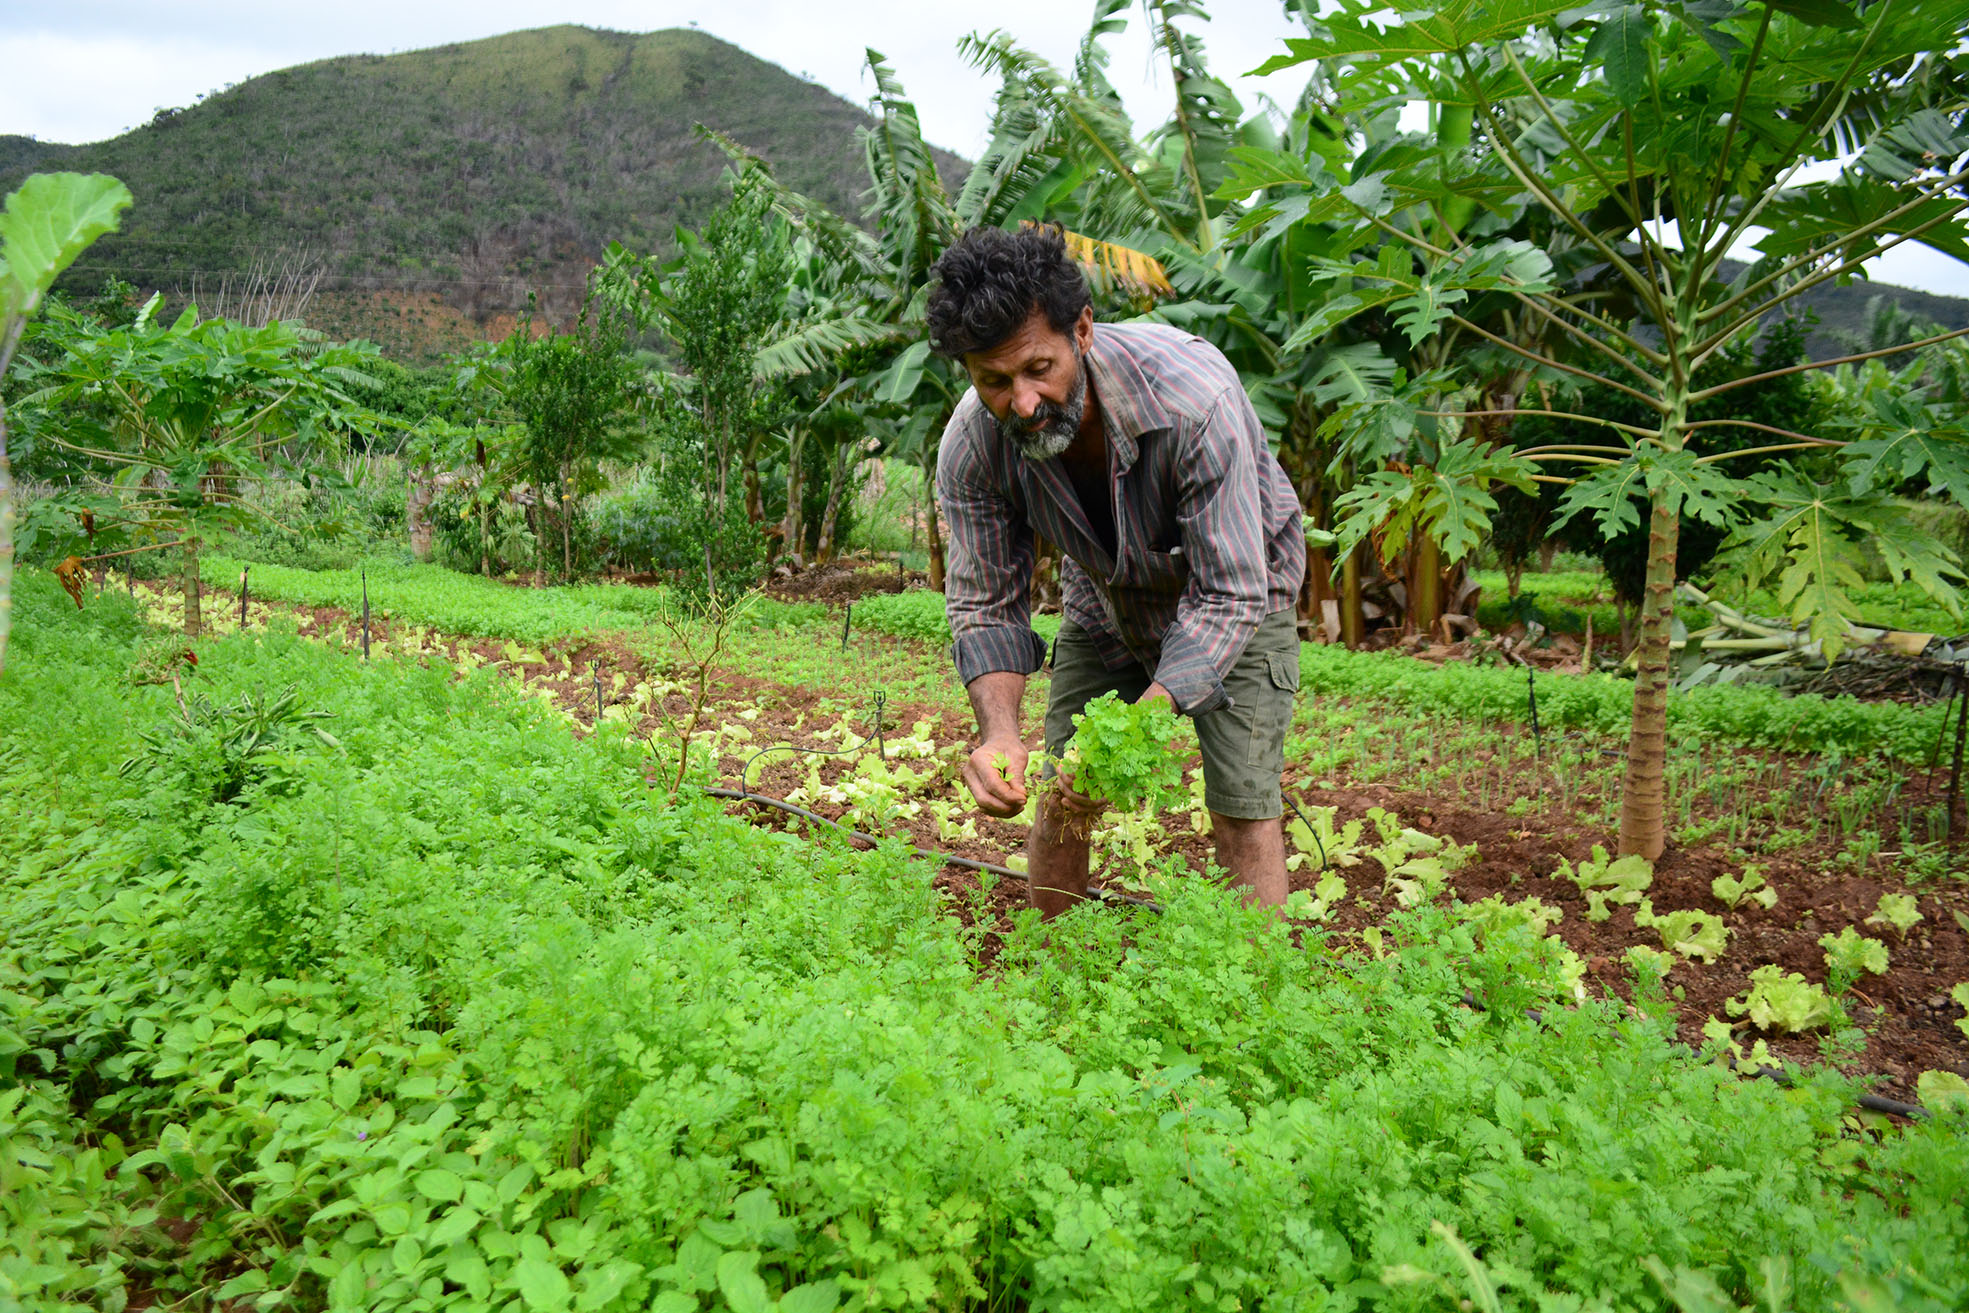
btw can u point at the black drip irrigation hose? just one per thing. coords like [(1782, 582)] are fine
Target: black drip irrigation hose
[(1871, 1102), (948, 859)]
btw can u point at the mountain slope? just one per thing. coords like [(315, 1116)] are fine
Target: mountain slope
[(477, 172)]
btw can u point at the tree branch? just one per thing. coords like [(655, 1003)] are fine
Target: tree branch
[(1747, 380)]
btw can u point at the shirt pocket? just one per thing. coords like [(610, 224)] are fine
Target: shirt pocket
[(1156, 570)]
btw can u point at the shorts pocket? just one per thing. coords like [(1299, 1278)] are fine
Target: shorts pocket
[(1272, 713), (1285, 670)]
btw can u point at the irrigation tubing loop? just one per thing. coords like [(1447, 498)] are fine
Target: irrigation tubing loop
[(948, 859)]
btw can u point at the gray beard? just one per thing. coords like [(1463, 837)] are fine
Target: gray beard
[(1053, 427)]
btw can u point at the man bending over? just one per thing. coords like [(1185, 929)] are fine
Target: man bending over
[(1133, 448)]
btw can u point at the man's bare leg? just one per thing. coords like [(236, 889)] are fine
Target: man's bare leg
[(1056, 857), (1252, 852)]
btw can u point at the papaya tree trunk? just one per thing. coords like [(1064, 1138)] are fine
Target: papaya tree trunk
[(1642, 793), (419, 489), (1425, 585), (194, 619), (567, 526)]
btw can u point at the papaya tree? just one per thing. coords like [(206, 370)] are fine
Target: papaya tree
[(174, 428), (49, 221), (1661, 136)]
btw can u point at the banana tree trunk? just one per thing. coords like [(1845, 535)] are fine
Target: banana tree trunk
[(792, 529), (1642, 793), (1353, 614), (932, 533), (194, 619), (837, 478)]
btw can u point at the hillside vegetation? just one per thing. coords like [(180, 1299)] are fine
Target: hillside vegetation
[(476, 171)]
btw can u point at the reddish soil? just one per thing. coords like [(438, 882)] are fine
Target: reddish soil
[(1909, 1020)]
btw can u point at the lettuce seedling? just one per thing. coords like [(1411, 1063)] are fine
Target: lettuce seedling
[(1690, 933), (1782, 1000), (1960, 996), (1731, 891), (1606, 880), (1847, 954), (1900, 911)]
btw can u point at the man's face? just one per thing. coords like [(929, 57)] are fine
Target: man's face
[(1035, 384)]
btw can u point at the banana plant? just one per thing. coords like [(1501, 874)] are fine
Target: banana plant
[(1660, 135), (49, 221)]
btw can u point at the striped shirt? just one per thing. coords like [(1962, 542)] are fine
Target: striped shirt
[(1208, 529)]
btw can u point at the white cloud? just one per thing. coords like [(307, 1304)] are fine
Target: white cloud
[(83, 72), (88, 72)]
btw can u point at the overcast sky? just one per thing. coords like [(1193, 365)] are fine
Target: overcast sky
[(85, 71)]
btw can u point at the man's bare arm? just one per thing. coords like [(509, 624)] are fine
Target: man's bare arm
[(995, 698)]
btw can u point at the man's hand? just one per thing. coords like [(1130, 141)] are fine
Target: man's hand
[(995, 773), (1154, 691)]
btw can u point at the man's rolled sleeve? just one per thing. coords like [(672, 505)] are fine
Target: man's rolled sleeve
[(988, 577)]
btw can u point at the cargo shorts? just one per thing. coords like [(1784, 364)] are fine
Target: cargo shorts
[(1243, 743)]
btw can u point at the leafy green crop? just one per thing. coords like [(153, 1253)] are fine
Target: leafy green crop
[(1127, 754), (1691, 933), (463, 1014), (1608, 880), (1849, 953), (1782, 1000), (1900, 911), (1732, 890)]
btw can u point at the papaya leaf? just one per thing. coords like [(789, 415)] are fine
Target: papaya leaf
[(1619, 46), (1611, 493), (1691, 488)]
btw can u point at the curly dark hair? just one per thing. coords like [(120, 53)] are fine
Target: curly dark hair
[(990, 281)]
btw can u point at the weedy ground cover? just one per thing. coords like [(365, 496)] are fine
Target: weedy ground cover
[(456, 1012)]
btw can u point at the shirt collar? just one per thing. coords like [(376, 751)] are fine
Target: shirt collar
[(1129, 408)]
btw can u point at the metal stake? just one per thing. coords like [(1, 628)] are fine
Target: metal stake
[(598, 695), (847, 619), (242, 595)]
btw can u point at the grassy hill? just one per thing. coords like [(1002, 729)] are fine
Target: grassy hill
[(471, 173)]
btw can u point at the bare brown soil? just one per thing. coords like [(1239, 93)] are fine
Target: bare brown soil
[(1909, 1020)]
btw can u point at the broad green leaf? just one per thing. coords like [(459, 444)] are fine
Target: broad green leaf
[(1907, 441), (1420, 314), (542, 1285), (1337, 310), (901, 379), (1351, 373), (814, 1297), (1619, 46), (1942, 1091), (1611, 492), (740, 1283), (1819, 13), (1438, 30), (46, 223), (1691, 488), (1253, 169)]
